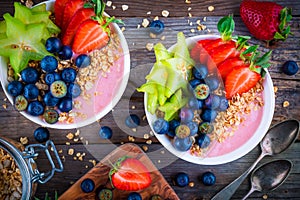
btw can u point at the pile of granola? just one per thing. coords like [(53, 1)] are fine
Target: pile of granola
[(10, 178)]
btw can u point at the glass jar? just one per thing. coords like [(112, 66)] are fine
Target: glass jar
[(25, 160)]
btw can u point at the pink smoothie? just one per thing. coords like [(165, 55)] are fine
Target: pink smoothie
[(244, 132), (102, 93)]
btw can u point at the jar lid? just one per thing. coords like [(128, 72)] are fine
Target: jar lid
[(22, 165)]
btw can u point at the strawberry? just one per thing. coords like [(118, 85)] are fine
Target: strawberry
[(89, 36), (93, 33), (207, 47), (70, 9), (241, 79), (227, 65), (244, 77), (130, 174), (266, 20), (220, 53), (80, 16), (195, 52), (59, 7)]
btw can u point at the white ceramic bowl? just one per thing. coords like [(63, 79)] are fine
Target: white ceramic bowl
[(96, 116), (242, 149)]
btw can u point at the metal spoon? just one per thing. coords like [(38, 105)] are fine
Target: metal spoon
[(269, 176), (277, 140)]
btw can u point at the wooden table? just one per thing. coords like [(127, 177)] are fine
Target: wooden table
[(14, 125)]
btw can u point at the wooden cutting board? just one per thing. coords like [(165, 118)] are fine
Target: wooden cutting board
[(99, 174)]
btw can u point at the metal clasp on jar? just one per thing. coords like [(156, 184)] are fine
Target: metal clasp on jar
[(32, 151)]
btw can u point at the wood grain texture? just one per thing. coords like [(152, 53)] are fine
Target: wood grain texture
[(14, 125)]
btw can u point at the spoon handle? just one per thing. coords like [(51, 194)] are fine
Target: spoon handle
[(250, 192), (227, 192)]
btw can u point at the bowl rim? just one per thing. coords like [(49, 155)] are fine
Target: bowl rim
[(121, 87), (269, 106)]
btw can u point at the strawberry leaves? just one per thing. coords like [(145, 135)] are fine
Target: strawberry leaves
[(226, 27), (284, 29)]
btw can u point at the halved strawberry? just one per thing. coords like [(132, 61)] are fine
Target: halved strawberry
[(80, 16), (71, 8), (195, 52), (89, 36), (220, 53), (227, 65), (239, 80), (59, 7), (207, 47), (130, 174)]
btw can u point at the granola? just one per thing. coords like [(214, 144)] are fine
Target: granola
[(10, 178)]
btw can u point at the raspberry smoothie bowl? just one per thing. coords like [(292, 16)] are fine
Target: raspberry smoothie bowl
[(209, 99), (64, 64)]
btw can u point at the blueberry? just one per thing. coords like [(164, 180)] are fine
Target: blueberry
[(51, 116), (132, 121), (65, 53), (87, 185), (182, 144), (290, 68), (53, 45), (134, 196), (31, 91), (65, 105), (193, 103), (49, 64), (51, 77), (161, 126), (223, 104), (156, 27), (182, 131), (15, 88), (186, 114), (182, 179), (41, 134), (212, 82), (74, 90), (200, 71), (171, 133), (208, 115), (21, 103), (58, 89), (173, 124), (68, 75), (105, 132), (105, 194), (205, 128), (208, 178), (212, 101), (193, 126), (203, 141), (201, 91), (29, 75), (35, 108), (194, 82), (82, 61), (50, 100)]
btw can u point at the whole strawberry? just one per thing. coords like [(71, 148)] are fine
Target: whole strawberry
[(266, 20)]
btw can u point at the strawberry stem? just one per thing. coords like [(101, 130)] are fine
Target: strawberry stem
[(284, 29)]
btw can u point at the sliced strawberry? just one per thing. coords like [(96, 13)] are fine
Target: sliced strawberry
[(227, 65), (130, 174), (80, 16), (71, 8), (89, 36), (220, 53), (240, 80), (208, 47), (195, 52), (59, 7)]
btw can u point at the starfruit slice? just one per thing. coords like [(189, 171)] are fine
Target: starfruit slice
[(23, 43)]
